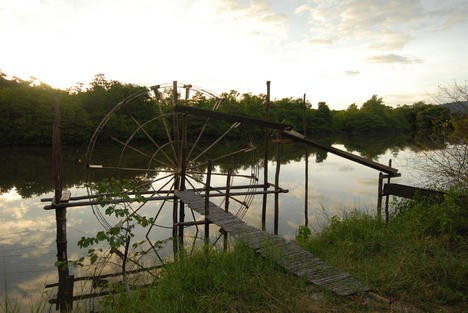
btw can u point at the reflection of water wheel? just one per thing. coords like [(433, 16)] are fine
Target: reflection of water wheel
[(144, 140)]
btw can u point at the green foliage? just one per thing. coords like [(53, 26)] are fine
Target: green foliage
[(433, 121), (419, 257), (26, 113), (303, 234), (116, 197), (429, 217)]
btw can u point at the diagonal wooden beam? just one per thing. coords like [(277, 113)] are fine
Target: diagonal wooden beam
[(344, 154)]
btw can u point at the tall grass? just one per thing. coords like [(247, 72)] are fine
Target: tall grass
[(215, 281), (17, 305), (8, 305), (419, 257)]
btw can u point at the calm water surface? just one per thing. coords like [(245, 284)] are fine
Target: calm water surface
[(27, 232)]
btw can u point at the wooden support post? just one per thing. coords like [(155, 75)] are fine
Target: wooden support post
[(226, 205), (175, 143), (182, 179), (277, 172), (265, 158), (228, 189), (379, 197), (175, 241), (65, 289), (187, 92), (387, 196), (207, 201), (306, 157)]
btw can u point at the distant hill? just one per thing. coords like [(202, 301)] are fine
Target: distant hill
[(457, 107)]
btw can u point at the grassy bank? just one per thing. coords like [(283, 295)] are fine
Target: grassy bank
[(238, 281), (420, 257), (418, 261)]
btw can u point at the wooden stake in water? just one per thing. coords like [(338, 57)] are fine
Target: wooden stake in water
[(175, 147), (265, 158), (183, 178), (226, 205), (379, 197), (306, 157), (387, 196), (65, 289), (277, 172), (207, 202)]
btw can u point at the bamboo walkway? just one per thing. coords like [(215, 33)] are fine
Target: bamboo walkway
[(286, 254)]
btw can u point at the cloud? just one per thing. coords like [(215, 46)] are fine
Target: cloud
[(390, 41), (352, 73), (320, 41), (450, 15), (257, 15), (392, 58), (385, 24)]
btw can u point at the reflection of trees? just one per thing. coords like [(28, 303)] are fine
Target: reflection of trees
[(29, 169), (320, 156), (371, 145)]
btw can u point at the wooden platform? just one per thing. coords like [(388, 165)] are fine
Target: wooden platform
[(286, 254)]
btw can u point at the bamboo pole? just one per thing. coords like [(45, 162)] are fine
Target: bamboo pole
[(187, 92), (265, 158), (65, 290), (306, 157), (277, 172), (387, 196), (226, 205), (182, 179), (207, 202), (175, 144), (344, 154), (228, 189), (379, 197)]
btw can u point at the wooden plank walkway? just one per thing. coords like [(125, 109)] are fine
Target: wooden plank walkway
[(286, 254)]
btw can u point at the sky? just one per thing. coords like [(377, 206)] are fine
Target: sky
[(341, 52)]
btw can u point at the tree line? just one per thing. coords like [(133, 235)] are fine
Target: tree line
[(26, 113)]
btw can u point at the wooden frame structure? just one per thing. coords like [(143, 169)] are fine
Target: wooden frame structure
[(62, 201)]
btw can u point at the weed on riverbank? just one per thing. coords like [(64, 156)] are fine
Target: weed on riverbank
[(238, 281), (215, 281), (420, 257)]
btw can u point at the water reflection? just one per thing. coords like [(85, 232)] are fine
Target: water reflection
[(27, 246), (27, 233)]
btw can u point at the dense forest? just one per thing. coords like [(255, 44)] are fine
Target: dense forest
[(26, 113)]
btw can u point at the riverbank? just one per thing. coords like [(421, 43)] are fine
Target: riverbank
[(416, 263), (419, 258)]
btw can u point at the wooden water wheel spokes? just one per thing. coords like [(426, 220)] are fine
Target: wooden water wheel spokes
[(143, 140)]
